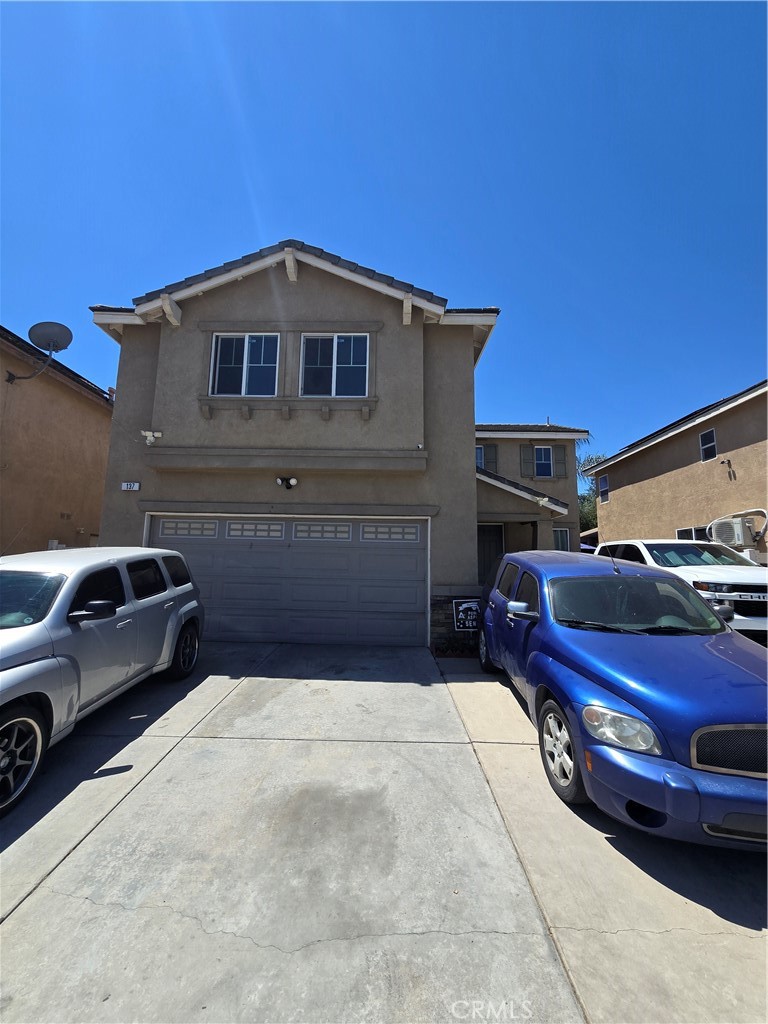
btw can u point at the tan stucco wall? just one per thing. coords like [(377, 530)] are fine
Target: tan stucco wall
[(54, 441), (424, 406), (666, 487), (496, 505)]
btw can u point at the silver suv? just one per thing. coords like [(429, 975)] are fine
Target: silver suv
[(78, 627)]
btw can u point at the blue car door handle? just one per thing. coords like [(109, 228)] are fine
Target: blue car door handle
[(124, 623)]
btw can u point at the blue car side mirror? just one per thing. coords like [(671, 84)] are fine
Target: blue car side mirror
[(519, 610)]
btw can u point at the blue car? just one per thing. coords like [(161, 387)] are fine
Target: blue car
[(645, 701)]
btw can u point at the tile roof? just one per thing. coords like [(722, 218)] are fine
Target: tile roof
[(292, 243), (530, 428)]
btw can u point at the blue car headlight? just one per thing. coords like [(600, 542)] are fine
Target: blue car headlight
[(621, 730)]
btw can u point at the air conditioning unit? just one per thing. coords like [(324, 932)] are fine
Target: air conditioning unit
[(736, 533)]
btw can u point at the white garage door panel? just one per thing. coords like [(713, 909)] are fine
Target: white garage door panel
[(310, 580)]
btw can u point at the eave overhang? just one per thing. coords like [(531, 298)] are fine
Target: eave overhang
[(165, 304)]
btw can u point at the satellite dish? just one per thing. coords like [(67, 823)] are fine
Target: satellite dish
[(50, 336)]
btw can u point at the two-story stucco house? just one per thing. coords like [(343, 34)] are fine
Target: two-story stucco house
[(302, 428), (527, 494), (54, 440), (674, 482)]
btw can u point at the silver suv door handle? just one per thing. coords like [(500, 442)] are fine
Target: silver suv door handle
[(168, 604), (124, 623)]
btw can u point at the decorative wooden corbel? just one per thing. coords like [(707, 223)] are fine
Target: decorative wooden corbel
[(291, 266), (171, 309)]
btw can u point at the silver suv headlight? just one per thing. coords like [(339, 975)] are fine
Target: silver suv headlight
[(621, 730)]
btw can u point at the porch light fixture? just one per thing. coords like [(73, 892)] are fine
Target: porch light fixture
[(286, 481)]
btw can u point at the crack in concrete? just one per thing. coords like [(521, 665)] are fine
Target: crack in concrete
[(654, 931), (306, 945)]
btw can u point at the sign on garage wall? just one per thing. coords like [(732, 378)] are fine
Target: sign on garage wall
[(466, 614)]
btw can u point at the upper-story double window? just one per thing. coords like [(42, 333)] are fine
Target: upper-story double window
[(245, 364), (334, 365)]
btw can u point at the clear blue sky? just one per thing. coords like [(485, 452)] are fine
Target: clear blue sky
[(597, 170)]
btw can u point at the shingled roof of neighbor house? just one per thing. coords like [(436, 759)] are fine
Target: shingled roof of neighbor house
[(671, 428), (36, 353), (530, 428), (527, 492)]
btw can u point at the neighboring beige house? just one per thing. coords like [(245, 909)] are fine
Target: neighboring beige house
[(302, 428), (677, 480), (527, 491), (54, 441)]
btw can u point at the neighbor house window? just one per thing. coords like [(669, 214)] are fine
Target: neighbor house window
[(334, 365), (245, 364), (708, 445), (542, 461), (562, 539), (692, 533), (603, 489), (486, 456)]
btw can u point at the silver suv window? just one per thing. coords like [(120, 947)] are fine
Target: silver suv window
[(102, 585), (146, 578)]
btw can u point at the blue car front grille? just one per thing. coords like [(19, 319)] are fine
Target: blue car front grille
[(731, 749)]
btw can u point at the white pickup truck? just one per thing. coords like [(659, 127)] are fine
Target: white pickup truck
[(719, 573)]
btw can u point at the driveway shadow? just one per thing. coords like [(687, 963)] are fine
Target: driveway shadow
[(346, 663), (730, 883)]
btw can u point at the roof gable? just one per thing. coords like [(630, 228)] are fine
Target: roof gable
[(272, 254), (164, 302)]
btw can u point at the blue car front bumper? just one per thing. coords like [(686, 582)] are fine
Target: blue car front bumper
[(672, 800)]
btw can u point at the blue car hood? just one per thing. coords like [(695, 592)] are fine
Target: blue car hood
[(680, 683)]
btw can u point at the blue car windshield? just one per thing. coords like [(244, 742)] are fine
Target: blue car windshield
[(632, 604), (26, 597)]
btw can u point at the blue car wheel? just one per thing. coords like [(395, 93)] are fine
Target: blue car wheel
[(558, 754)]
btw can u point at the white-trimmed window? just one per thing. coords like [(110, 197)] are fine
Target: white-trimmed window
[(245, 364), (708, 445), (334, 365), (562, 537), (480, 456), (542, 460), (603, 490)]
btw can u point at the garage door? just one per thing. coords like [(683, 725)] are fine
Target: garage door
[(306, 580)]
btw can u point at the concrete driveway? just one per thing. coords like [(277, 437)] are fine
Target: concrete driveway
[(649, 930), (293, 834), (330, 834)]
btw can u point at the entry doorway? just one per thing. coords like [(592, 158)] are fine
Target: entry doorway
[(490, 547)]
